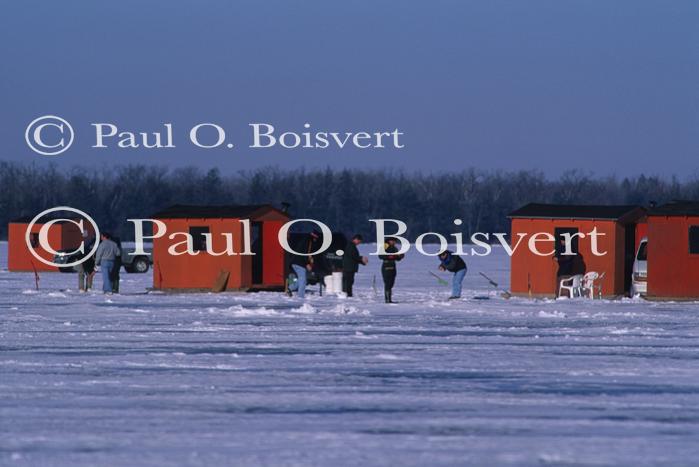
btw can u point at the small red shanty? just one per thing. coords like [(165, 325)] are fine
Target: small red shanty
[(673, 251), (265, 270), (63, 235)]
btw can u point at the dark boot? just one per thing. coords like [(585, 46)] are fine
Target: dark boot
[(387, 296)]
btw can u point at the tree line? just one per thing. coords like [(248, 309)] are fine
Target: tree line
[(343, 199)]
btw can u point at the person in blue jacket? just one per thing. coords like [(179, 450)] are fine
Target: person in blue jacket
[(453, 263)]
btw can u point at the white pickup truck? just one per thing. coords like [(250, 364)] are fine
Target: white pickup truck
[(131, 263), (639, 281)]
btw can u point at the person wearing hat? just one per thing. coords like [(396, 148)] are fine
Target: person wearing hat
[(351, 259), (388, 268), (453, 263)]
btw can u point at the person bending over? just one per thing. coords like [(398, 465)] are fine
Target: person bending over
[(453, 263)]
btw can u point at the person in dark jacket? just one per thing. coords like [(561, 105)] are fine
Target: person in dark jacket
[(350, 263), (565, 262), (322, 266), (302, 264), (116, 269), (86, 269), (453, 263), (388, 268)]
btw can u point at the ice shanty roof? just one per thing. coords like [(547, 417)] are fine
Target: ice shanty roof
[(44, 219), (576, 211), (676, 208), (186, 211)]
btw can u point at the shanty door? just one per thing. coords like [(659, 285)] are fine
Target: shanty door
[(577, 263), (629, 255), (559, 233)]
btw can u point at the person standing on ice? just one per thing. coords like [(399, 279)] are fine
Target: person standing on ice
[(453, 263), (115, 277), (388, 268), (86, 269), (302, 264), (105, 256), (350, 263)]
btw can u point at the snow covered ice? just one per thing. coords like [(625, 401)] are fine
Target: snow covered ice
[(263, 379)]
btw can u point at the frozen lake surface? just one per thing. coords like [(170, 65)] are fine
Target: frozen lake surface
[(261, 379)]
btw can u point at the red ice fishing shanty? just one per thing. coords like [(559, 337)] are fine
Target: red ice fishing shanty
[(673, 251), (62, 235), (265, 270)]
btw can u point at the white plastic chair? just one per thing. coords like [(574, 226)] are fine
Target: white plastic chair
[(587, 288), (572, 285), (590, 282)]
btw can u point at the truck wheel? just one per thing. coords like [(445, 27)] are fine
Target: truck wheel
[(140, 265)]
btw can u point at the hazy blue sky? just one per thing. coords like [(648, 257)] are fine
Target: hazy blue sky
[(606, 85)]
